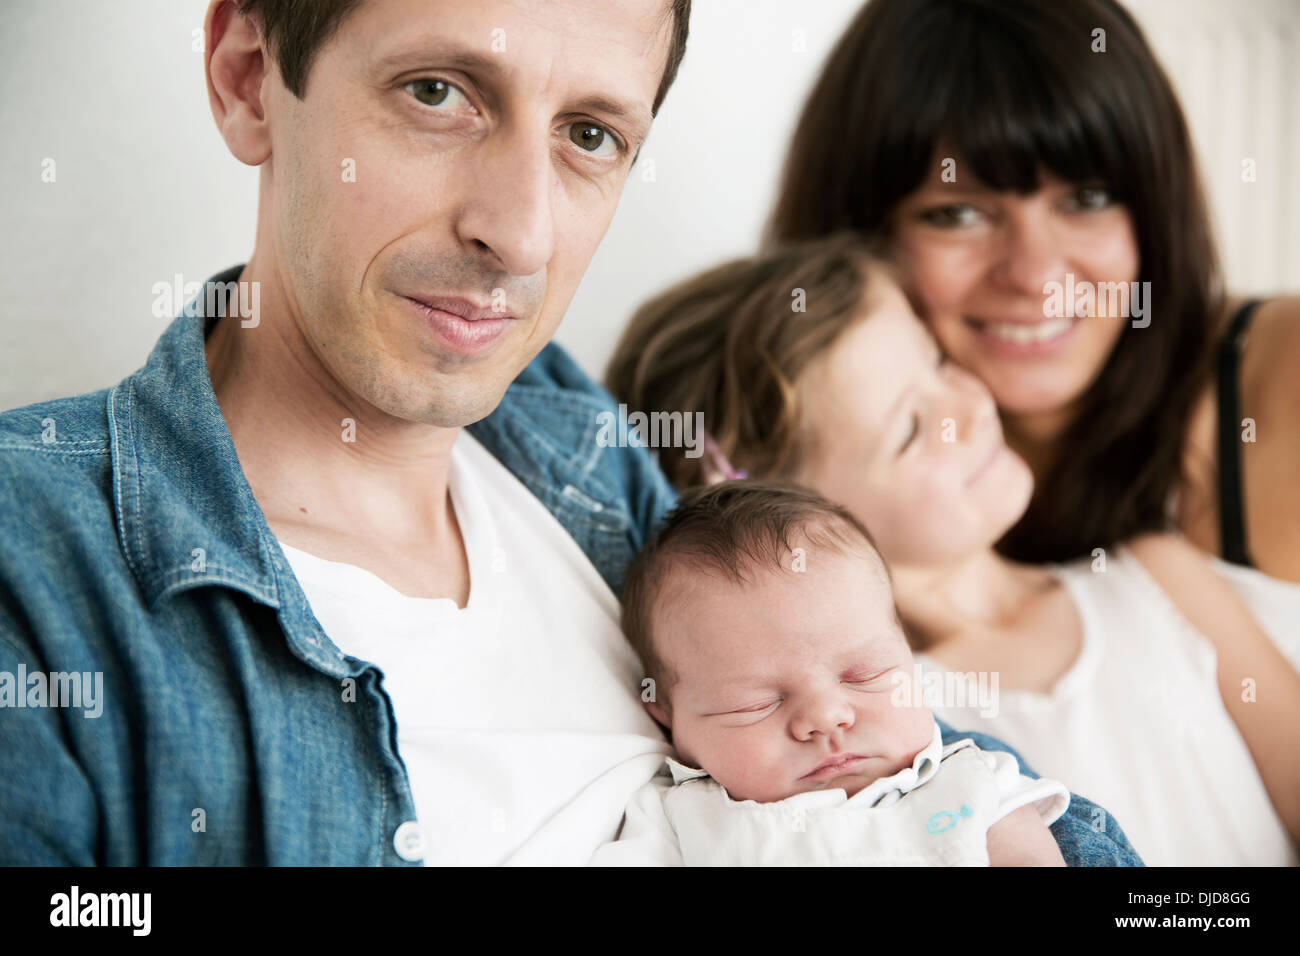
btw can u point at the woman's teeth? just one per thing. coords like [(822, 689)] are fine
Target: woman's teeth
[(1023, 334)]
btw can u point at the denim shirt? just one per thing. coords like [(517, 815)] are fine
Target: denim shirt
[(229, 728)]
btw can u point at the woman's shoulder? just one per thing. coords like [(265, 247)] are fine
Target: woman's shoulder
[(1271, 345), (1270, 410), (1187, 577)]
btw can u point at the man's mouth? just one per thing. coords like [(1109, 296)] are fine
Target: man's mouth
[(468, 330)]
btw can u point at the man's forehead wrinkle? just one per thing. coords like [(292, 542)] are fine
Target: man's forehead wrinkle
[(651, 31)]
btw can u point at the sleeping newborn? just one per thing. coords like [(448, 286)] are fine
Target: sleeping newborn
[(765, 620)]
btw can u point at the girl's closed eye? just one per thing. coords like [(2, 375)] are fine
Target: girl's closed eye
[(941, 359), (913, 431)]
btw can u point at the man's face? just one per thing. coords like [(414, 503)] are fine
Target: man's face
[(457, 150)]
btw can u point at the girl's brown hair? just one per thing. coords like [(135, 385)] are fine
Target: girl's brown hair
[(1012, 87), (732, 342)]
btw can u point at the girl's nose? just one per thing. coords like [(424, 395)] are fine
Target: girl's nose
[(966, 406)]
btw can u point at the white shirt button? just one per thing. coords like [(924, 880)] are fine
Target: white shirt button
[(410, 841)]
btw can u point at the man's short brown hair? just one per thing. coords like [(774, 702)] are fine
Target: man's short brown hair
[(730, 529), (294, 30)]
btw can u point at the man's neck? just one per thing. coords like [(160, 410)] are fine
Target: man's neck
[(333, 474)]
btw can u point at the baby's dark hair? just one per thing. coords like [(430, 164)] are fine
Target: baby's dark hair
[(731, 529)]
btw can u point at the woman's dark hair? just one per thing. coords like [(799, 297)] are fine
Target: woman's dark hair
[(1012, 87)]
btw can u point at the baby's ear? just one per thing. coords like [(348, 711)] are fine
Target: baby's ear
[(661, 715)]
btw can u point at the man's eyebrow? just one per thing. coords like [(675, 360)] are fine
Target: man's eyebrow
[(636, 119), (427, 54)]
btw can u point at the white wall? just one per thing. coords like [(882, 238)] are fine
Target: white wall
[(113, 91)]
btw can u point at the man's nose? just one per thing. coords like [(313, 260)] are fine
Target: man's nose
[(508, 208), (1030, 252)]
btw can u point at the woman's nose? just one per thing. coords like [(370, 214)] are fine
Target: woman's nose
[(1030, 253)]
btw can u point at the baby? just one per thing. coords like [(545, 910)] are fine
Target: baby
[(765, 620)]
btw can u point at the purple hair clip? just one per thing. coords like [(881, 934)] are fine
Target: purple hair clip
[(718, 461)]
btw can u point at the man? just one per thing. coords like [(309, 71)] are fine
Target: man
[(348, 562)]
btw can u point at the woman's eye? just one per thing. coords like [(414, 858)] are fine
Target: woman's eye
[(590, 138), (1090, 198), (434, 92), (954, 214), (911, 435)]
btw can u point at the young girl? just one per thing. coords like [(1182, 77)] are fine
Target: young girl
[(1135, 676)]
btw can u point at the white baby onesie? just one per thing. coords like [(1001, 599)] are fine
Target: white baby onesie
[(936, 812)]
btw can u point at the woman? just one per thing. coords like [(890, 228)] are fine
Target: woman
[(997, 146)]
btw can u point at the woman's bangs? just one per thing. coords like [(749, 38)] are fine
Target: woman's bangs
[(1031, 112)]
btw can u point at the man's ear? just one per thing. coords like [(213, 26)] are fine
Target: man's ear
[(236, 63)]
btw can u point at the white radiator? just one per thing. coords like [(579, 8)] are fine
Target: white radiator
[(1236, 67)]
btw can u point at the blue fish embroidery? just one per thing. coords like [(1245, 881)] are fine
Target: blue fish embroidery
[(945, 820)]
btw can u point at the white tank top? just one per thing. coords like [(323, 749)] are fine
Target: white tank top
[(1137, 726)]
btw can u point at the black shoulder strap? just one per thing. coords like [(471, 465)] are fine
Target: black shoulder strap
[(1232, 521)]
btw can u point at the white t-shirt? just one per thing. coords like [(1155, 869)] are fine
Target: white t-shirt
[(936, 812), (1137, 725), (518, 716)]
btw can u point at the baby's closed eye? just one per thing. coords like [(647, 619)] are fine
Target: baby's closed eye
[(868, 675)]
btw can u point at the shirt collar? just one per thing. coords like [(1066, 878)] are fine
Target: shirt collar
[(924, 766), (184, 510)]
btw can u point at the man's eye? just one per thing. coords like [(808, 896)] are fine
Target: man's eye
[(911, 435), (950, 216), (590, 138), (432, 92)]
